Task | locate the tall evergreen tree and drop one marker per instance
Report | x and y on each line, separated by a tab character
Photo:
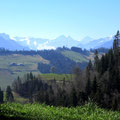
9	95
1	96
88	87
74	98
96	61
94	85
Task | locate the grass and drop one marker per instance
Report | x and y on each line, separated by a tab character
27	60
77	57
5	78
19	99
51	76
36	111
8	73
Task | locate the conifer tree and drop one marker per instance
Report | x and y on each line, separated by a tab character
1	96
96	61
74	98
94	85
9	95
88	87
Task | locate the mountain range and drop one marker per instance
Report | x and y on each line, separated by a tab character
27	43
7	43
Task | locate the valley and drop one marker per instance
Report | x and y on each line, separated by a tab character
17	64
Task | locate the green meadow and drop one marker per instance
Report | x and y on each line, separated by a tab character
13	111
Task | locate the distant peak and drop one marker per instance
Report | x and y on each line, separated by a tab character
69	37
5	36
61	37
87	37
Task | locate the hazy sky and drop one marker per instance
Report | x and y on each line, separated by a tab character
52	18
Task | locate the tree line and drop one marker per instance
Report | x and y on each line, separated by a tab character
6	96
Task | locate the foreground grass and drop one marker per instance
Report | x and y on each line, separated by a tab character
17	111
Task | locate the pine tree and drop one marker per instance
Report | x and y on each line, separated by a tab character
96	61
31	76
1	96
94	85
116	47
9	95
88	87
74	98
90	66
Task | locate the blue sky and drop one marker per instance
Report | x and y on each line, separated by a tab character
52	18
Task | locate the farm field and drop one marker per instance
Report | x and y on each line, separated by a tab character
36	111
13	65
51	76
77	57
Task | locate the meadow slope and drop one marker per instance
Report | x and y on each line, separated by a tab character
89	111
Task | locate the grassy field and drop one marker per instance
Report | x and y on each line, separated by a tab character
9	72
28	61
36	111
51	76
77	57
16	64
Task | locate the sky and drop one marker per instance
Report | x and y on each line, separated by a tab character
52	18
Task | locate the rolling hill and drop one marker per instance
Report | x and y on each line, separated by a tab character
16	63
75	56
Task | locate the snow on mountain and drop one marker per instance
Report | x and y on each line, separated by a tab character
86	40
32	43
98	43
40	43
7	43
63	41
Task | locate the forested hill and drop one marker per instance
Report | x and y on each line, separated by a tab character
61	60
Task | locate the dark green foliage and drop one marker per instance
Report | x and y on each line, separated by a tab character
94	85
1	96
79	50
74	99
9	95
88	87
61	63
96	61
108	71
100	50
103	82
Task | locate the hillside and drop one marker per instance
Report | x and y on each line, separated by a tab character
75	56
14	63
89	111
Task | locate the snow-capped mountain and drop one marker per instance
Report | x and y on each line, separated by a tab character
63	41
39	43
20	43
7	43
86	40
32	43
102	42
